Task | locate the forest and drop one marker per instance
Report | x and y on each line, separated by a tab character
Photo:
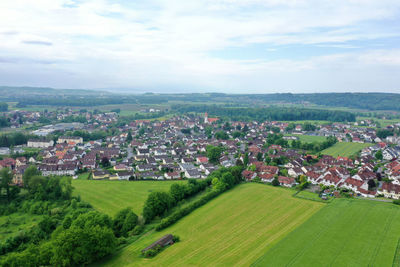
270	113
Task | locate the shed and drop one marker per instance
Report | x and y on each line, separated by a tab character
163	241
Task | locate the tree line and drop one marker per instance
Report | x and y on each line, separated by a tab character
269	113
221	180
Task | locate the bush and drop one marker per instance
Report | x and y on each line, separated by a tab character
137	230
396	201
124	221
152	252
176	239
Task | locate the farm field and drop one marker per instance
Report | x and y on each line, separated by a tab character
234	229
346	232
344	149
309	138
111	196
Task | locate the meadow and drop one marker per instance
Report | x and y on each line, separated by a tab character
111	196
345	149
344	233
234	229
309	138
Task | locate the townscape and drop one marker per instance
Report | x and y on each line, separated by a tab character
199	133
190	146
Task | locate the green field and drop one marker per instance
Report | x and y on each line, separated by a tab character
345	149
344	233
111	196
309	138
234	229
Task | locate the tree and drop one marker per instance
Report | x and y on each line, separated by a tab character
28	174
129	137
156	204
80	246
6	179
228	179
221	135
105	162
275	129
383	133
371	184
246	159
177	191
379	155
275	181
214	153
124	221
308	127
259	156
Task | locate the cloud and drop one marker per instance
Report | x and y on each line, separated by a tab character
32	42
163	44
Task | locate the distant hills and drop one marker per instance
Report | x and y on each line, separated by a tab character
80	97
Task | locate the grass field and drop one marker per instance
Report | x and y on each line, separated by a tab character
234	229
111	196
309	138
344	149
344	233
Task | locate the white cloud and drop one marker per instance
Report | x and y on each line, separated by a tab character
166	44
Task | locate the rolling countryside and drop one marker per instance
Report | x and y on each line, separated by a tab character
234	229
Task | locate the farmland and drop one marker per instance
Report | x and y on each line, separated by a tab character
258	217
344	149
309	138
111	196
345	232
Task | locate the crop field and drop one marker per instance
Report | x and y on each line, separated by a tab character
344	233
344	149
234	229
111	196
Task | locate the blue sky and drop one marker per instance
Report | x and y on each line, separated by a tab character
232	46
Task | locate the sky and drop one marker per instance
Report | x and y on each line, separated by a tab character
231	46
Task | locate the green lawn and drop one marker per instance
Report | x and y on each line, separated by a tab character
344	233
344	149
234	229
309	138
111	196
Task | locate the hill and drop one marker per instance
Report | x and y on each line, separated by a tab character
234	229
344	233
111	196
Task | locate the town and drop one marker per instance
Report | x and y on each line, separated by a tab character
96	145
